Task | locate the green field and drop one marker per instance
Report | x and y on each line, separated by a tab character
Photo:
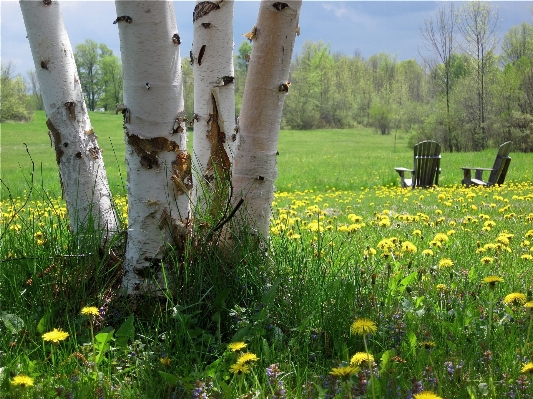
367	290
314	159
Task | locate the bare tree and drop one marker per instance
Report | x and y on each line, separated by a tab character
439	38
478	23
254	167
159	166
81	166
214	104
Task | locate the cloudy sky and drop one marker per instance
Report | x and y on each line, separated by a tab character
367	27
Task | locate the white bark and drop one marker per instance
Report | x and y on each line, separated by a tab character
214	97
81	167
254	168
159	172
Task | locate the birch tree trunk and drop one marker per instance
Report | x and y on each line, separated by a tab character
159	166
254	167
81	166
214	104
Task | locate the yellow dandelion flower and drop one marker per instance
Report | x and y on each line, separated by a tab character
529	305
426	395
239	368
247	357
515	298
526	257
427	344
236	346
343	372
90	311
492	280
361	357
363	326
487	260
165	361
427	252
446	262
527	369
441	237
22	381
417	233
441	287
55	336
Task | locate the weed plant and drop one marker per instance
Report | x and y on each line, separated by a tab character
373	293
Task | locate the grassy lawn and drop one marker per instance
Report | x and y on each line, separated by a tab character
318	159
367	290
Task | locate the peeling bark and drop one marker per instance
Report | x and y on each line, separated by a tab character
254	164
158	165
81	168
214	103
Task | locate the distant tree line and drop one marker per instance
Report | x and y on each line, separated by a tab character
463	94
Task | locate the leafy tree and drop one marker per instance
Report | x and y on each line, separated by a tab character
518	43
16	104
88	56
110	82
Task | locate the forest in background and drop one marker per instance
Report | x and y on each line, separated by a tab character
471	90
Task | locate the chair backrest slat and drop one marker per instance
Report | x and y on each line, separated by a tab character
501	165
426	164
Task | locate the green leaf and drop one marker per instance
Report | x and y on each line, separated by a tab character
412	341
125	333
169	378
373	385
407	280
385	360
102	343
12	322
44	324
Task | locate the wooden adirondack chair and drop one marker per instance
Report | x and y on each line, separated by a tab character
426	169
497	172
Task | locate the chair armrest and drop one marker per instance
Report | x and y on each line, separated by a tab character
465	168
401	171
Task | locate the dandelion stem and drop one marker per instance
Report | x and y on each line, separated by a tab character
528	332
371	367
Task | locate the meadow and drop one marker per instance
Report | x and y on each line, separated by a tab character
367	290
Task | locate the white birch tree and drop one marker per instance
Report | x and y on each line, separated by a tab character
214	103
81	167
254	167
159	166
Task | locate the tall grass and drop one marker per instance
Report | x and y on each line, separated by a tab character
416	263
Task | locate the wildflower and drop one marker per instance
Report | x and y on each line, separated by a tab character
427	252
363	326
492	280
441	237
426	395
361	357
247	357
165	361
239	368
487	260
409	247
446	262
236	346
527	257
515	298
529	305
527	369
90	311
427	344
442	287
343	372
22	380
417	233
55	335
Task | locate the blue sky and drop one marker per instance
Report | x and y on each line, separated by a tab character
347	26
